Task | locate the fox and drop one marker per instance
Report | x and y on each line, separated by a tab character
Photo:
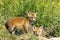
20	22
37	30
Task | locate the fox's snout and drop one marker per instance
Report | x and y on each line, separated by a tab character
34	19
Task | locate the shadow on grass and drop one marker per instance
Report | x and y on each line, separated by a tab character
19	32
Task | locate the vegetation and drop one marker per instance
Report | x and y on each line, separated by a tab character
47	14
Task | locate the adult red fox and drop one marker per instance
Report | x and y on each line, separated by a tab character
37	30
20	22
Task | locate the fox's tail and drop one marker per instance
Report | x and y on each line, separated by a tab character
6	25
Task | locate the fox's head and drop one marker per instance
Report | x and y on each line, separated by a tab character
37	30
32	16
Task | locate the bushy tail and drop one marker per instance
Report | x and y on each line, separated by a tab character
6	25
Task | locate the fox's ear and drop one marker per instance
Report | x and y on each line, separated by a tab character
34	11
34	27
35	14
28	12
41	27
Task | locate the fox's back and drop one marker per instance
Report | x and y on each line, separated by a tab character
17	21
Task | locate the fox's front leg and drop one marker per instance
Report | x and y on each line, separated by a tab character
25	28
12	30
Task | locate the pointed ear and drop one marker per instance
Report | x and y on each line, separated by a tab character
41	27
34	27
28	12
35	11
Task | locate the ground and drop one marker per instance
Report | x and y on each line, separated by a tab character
5	35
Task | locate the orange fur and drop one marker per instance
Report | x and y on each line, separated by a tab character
37	30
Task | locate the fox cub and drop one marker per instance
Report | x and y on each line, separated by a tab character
20	22
37	30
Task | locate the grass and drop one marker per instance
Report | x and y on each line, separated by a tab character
5	35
